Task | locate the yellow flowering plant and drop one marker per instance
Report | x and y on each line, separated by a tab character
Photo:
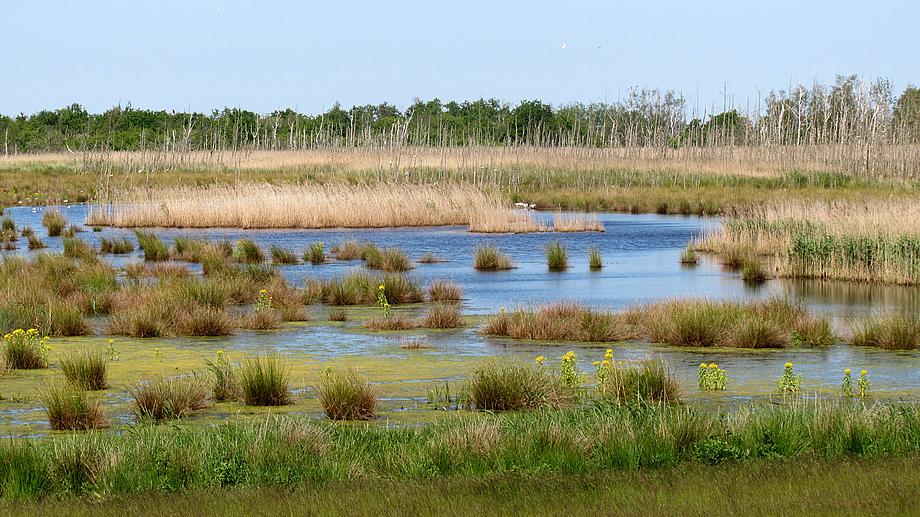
26	350
112	352
862	384
789	381
711	377
847	388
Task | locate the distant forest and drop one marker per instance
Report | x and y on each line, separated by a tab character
852	111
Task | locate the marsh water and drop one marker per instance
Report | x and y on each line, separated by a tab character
641	263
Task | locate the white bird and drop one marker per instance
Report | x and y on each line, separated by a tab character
69	149
565	46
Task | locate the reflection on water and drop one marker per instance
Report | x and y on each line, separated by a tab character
641	263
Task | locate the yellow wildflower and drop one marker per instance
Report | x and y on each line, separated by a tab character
380	286
788	365
863	372
847	371
595	363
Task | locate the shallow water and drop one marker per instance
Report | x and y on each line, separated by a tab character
641	263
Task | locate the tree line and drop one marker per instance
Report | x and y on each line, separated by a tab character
851	111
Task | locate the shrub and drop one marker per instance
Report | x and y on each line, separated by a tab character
444	291
154	248
85	370
498	386
281	255
70	409
487	256
248	252
226	384
443	316
346	395
647	380
315	254
595	259
54	221
170	398
557	256
25	350
264	381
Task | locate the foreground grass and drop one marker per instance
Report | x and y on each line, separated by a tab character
849	487
293	453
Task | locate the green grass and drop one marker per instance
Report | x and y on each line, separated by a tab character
595	258
489	257
891	332
753	271
316	254
69	408
747	489
282	255
226	385
264	381
248	252
86	370
349	249
153	247
391	260
440	290
75	247
557	256
644	381
688	255
115	245
443	316
35	242
346	395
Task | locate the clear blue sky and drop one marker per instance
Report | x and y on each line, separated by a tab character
271	54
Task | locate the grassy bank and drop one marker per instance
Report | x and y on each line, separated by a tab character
290	453
754	488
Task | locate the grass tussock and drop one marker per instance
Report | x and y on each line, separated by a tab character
688	255
264	381
316	253
35	242
349	249
75	247
440	290
248	252
443	316
205	321
86	370
393	322
54	221
560	321
71	409
557	256
361	288
268	319
577	223
891	332
489	257
346	395
391	260
645	381
498	386
115	246
226	385
169	398
595	258
153	247
337	314
430	257
282	255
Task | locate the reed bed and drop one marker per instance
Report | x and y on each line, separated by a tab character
874	240
577	223
300	206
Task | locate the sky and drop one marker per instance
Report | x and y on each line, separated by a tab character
193	55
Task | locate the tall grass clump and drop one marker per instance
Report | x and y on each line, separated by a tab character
282	255
559	321
753	271
346	395
557	256
643	381
168	398
891	332
205	321
35	242
75	247
71	409
501	386
264	381
391	260
595	258
153	247
115	245
349	249
316	253
391	322
25	350
488	256
226	384
248	252
54	221
688	255
444	291
86	370
443	316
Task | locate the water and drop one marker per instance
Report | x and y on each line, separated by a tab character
641	263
